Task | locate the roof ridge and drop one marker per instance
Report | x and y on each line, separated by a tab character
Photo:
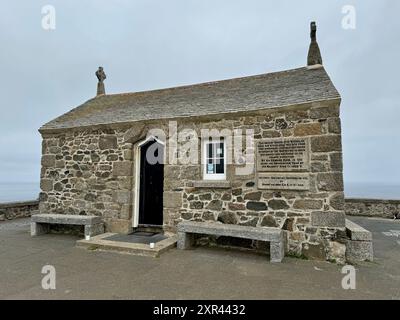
199	84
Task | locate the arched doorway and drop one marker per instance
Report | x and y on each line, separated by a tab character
150	183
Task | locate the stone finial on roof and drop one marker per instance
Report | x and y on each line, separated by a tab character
101	76
314	54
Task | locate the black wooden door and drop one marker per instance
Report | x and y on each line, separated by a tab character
151	186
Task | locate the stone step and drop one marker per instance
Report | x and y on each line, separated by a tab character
151	229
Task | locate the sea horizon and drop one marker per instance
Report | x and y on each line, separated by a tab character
23	191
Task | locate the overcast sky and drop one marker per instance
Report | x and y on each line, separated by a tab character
154	44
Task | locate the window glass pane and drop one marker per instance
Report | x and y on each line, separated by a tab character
210	151
220	167
214	150
220	150
210	168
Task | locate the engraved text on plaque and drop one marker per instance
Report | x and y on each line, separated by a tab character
289	154
284	181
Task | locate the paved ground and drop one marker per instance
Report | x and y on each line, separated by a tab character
195	274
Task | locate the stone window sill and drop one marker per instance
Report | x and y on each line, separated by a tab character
212	184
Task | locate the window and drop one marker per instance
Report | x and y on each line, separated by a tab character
214	159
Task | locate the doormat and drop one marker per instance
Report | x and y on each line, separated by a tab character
137	237
144	233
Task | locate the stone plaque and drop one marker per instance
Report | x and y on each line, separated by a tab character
284	181
289	154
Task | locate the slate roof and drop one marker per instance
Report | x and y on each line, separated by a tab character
251	93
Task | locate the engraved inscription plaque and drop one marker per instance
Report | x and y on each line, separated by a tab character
289	154
284	181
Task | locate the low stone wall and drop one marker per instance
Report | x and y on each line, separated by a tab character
14	210
372	207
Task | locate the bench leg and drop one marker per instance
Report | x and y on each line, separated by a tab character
185	240
277	251
39	228
94	229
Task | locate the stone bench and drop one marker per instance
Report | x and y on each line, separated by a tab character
359	246
40	223
187	229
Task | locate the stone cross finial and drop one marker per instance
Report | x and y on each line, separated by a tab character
313	33
101	76
314	54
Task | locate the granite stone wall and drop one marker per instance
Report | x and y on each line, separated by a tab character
19	209
314	220
88	173
91	171
372	208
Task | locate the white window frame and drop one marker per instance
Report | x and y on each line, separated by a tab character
213	176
